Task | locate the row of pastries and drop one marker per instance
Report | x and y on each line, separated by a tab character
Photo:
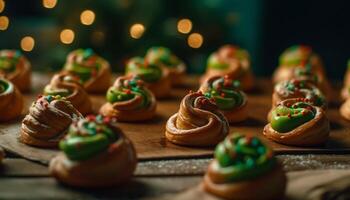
56	119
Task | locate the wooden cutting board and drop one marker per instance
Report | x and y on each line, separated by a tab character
148	137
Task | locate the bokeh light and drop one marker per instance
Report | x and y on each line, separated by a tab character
27	43
87	17
4	22
67	36
195	40
137	30
184	26
49	3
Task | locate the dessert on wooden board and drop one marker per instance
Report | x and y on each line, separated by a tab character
95	153
15	67
129	100
11	101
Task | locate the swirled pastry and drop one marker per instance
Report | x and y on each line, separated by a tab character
11	101
231	61
297	122
197	123
16	68
68	86
163	56
93	70
157	80
229	99
345	92
345	109
129	100
244	168
47	121
96	153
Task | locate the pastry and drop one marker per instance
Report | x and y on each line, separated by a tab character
16	68
345	92
68	86
232	61
197	123
297	122
47	121
229	99
96	153
11	101
157	80
345	109
2	155
93	70
164	57
129	100
244	168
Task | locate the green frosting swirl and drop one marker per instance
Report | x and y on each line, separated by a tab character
243	158
85	63
225	93
149	73
286	118
295	55
215	63
87	138
128	90
3	86
9	59
163	55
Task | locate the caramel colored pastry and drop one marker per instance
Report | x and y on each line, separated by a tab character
244	168
198	122
229	99
345	109
69	86
16	68
231	61
129	100
157	80
345	92
96	153
163	57
297	122
93	71
48	121
11	101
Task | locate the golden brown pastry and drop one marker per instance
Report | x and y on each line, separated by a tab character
345	92
198	122
93	70
157	80
231	61
129	100
230	100
345	109
16	68
68	86
11	101
163	57
47	121
297	122
96	153
245	168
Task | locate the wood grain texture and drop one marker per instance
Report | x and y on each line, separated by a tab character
148	137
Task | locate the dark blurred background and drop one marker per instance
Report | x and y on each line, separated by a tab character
120	29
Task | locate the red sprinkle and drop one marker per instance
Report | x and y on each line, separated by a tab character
106	120
91	117
222	94
127	91
39	96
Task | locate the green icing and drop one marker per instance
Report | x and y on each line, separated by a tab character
243	158
129	89
214	63
285	119
295	55
9	59
225	93
149	73
3	86
156	55
87	138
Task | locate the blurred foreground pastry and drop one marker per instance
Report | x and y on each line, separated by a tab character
244	168
11	101
96	153
345	92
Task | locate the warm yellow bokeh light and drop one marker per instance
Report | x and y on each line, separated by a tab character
2	5
67	36
49	3
184	26
195	40
4	23
137	30
27	43
87	17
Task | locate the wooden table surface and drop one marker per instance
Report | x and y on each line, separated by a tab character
23	179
